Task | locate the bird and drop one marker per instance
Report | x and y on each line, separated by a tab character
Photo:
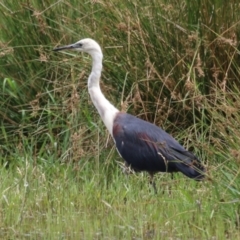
143	145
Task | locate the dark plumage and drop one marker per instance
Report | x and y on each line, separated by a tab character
146	147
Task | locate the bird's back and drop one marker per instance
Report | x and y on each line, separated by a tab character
146	147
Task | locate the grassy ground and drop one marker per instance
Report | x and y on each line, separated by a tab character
174	63
57	202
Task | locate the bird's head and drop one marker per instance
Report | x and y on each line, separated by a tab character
87	45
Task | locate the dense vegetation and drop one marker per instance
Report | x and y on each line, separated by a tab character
174	63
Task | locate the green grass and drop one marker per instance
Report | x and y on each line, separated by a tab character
55	201
174	63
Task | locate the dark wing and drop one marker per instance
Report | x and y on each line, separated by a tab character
146	147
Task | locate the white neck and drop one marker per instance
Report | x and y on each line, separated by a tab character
106	110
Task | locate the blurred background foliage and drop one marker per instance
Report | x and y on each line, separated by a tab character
174	63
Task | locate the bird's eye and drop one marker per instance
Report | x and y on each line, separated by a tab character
79	44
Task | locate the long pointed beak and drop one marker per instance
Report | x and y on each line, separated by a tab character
71	46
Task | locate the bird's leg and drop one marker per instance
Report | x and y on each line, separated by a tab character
170	188
127	169
152	182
